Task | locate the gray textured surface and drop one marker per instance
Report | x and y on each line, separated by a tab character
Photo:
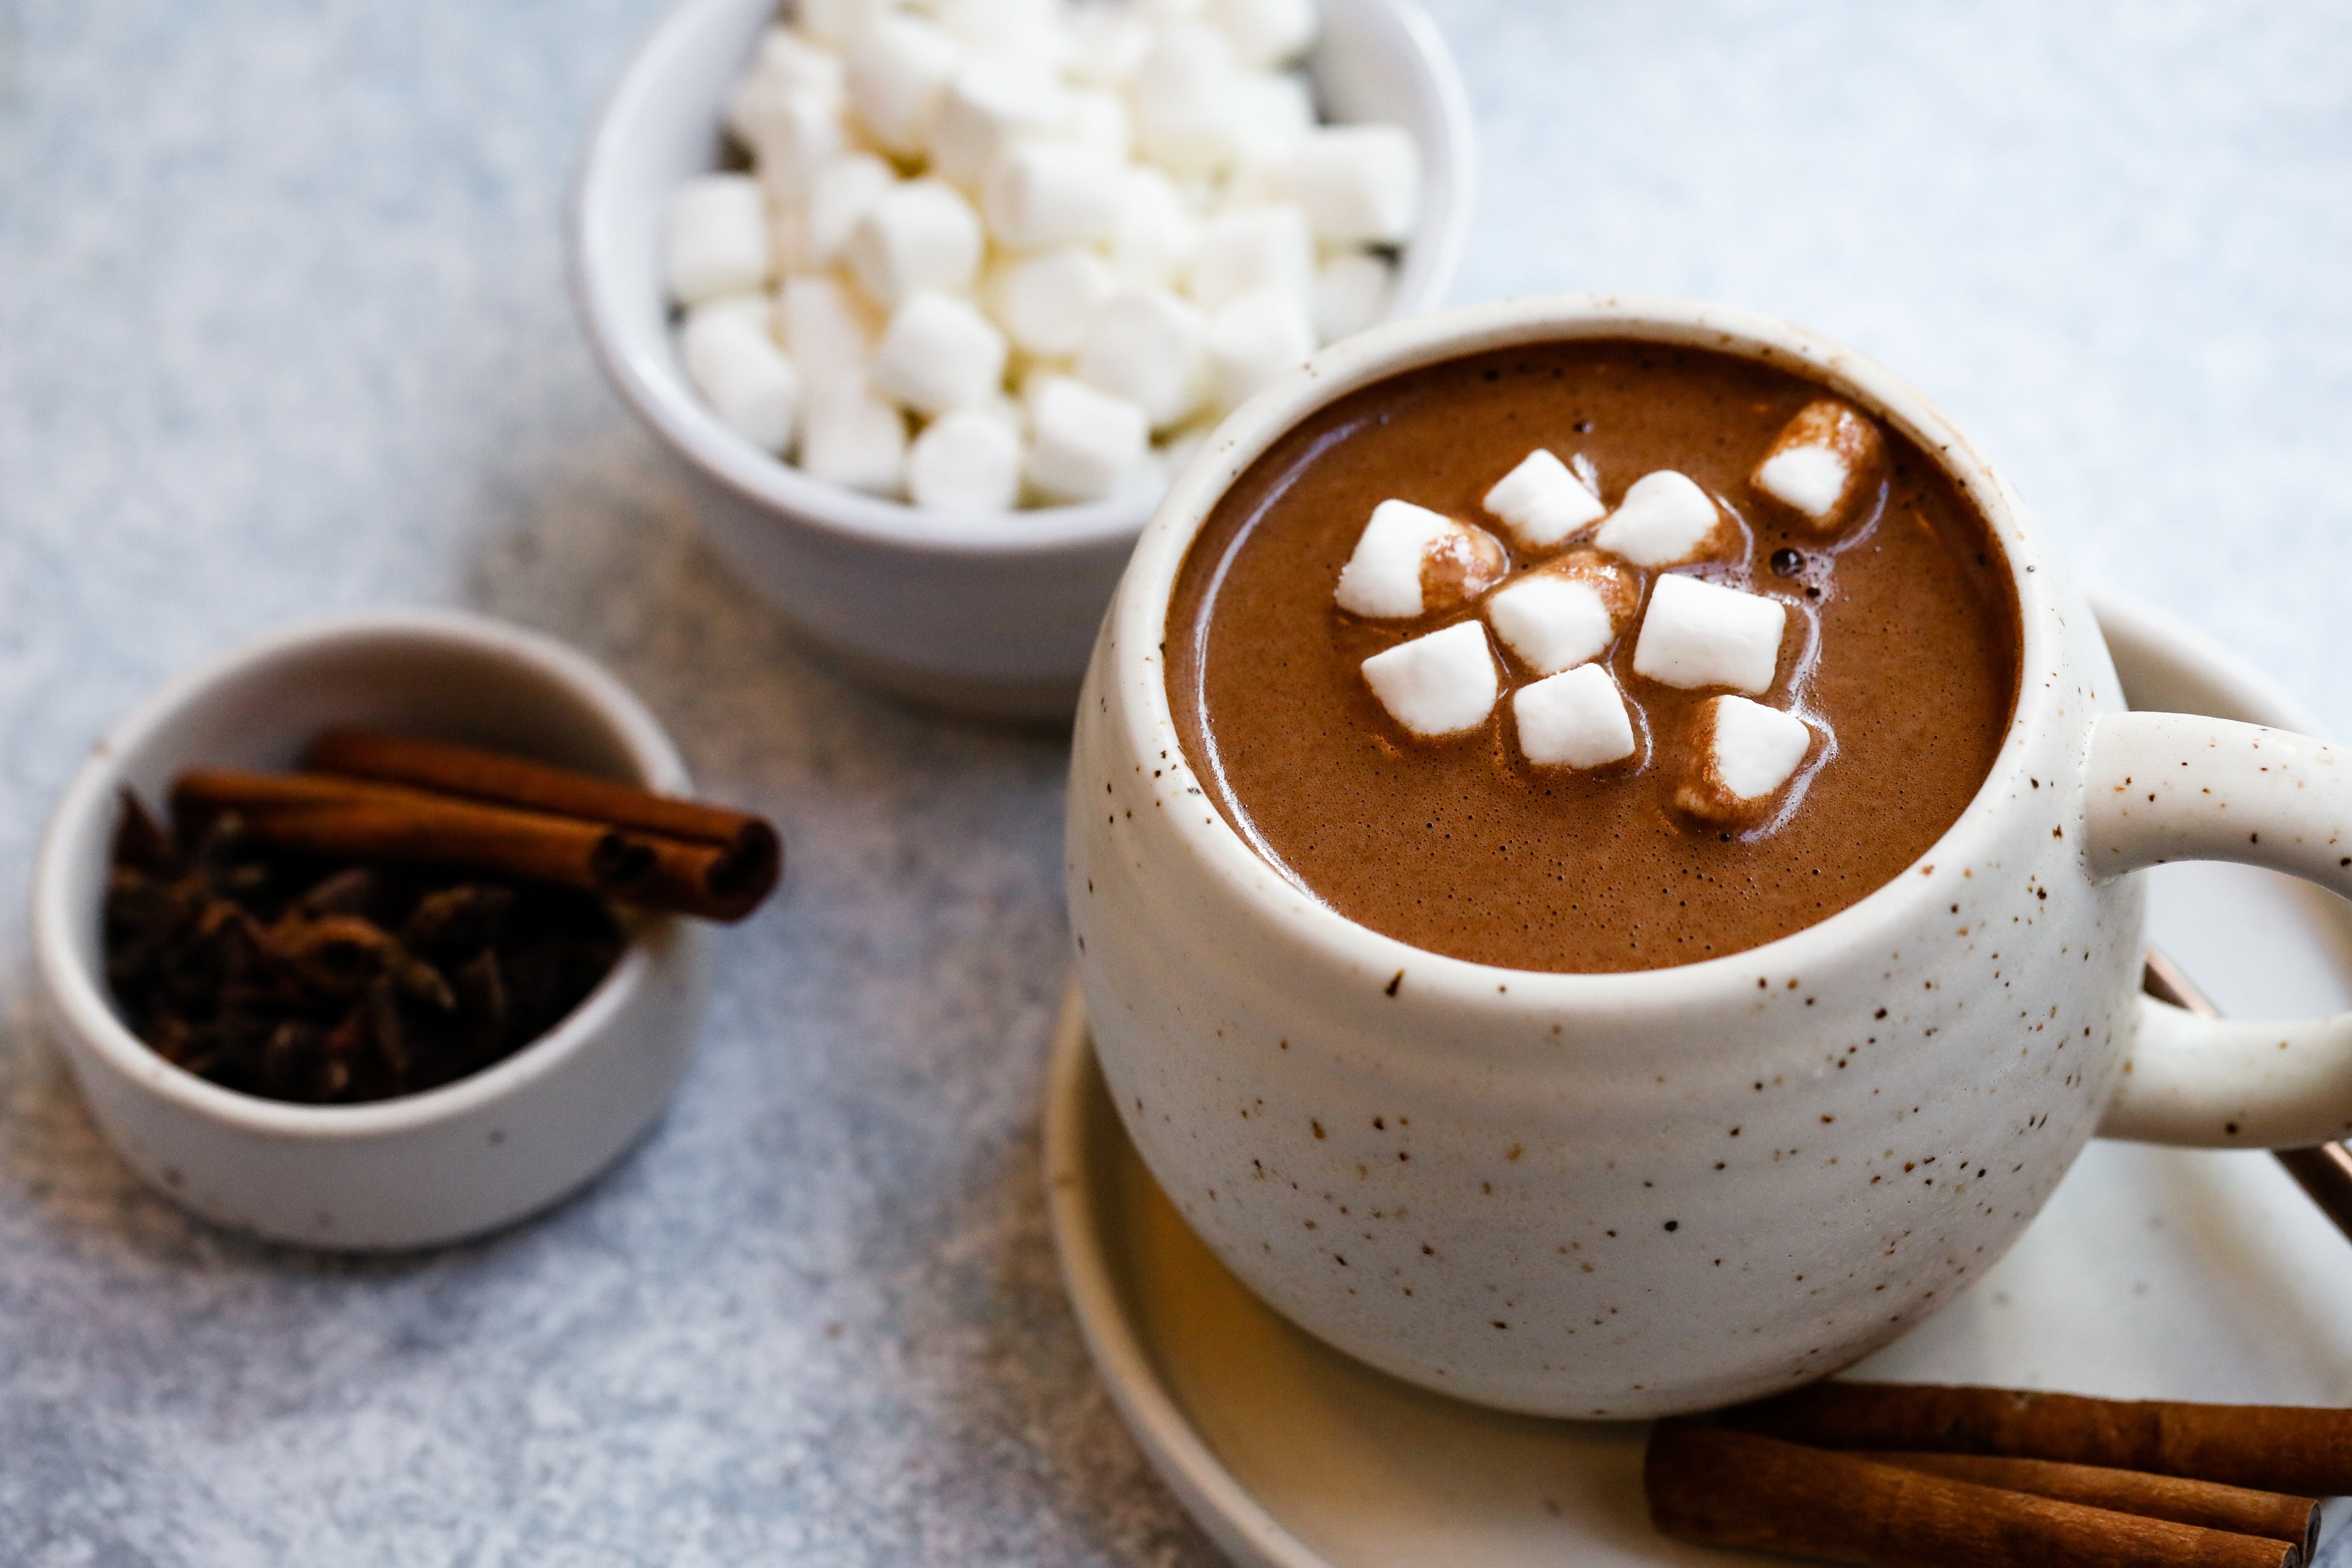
282	330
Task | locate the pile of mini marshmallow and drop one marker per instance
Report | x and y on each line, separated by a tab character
1559	619
1058	237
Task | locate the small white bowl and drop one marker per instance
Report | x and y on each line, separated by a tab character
990	615
425	1168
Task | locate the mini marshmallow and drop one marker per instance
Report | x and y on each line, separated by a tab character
837	21
1156	235
1575	719
1042	194
852	439
1254	248
718	239
1542	502
1044	302
1564	613
740	371
1086	444
1252	339
897	72
838	194
1822	463
1746	753
939	353
827	329
1441	684
1271	118
1664	520
917	235
789	78
1107	45
1183	95
1360	184
1756	748
1351	292
1700	634
1410	561
993	101
1030	29
1096	119
1149	346
969	460
791	136
1264	32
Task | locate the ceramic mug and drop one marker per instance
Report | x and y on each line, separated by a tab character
1623	1196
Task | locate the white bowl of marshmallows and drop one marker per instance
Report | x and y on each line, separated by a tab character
934	296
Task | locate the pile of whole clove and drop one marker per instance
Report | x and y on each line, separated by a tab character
301	977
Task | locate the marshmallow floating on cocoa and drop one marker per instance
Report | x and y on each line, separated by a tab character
1565	612
1542	501
1664	520
1575	719
1824	464
1412	561
1698	633
1744	753
1437	685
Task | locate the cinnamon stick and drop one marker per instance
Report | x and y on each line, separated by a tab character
750	867
1717	1486
2239	1510
320	814
2295	1450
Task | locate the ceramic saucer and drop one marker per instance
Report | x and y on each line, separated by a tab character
2152	1273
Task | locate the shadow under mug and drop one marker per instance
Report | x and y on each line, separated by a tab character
1621	1195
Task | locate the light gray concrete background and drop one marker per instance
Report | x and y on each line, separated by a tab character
282	330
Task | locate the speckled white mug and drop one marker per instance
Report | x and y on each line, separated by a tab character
1630	1195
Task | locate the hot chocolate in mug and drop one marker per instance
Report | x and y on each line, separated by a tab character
1630	1195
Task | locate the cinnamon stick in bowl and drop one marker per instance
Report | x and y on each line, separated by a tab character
748	867
2292	1449
322	814
1719	1487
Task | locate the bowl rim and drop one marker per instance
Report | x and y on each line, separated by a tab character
79	1000
780	489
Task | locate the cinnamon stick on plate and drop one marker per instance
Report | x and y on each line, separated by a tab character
2300	1452
752	857
1724	1488
2216	1507
321	815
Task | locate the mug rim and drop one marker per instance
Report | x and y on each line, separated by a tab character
1136	628
78	996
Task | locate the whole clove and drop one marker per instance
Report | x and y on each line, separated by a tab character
304	977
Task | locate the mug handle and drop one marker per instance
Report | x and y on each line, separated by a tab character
2159	787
